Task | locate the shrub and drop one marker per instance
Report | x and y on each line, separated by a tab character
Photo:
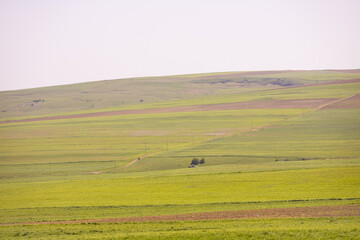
195	161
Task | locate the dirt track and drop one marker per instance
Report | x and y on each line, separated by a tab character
299	212
351	102
292	103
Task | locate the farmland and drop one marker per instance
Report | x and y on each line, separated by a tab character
310	228
275	141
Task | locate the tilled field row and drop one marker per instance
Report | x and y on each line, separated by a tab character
298	212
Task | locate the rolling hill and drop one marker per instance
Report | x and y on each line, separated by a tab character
110	159
142	92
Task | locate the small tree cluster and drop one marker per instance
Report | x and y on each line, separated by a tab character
196	161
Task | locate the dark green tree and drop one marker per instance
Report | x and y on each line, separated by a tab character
195	161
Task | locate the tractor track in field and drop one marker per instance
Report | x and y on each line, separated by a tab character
297	212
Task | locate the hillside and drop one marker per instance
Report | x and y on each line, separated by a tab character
126	93
281	157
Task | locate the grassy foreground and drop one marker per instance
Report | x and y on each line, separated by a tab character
44	214
298	228
197	189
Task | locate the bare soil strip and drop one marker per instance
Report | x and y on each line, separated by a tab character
292	103
298	212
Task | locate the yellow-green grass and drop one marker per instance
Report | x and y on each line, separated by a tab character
303	184
42	214
251	166
122	138
84	145
295	228
320	135
70	169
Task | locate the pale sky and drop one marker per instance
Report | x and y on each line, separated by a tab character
53	42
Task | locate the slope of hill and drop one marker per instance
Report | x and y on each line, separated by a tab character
281	153
139	91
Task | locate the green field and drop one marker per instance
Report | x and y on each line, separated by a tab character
74	169
313	228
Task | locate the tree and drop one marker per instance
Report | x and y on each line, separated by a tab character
195	161
202	161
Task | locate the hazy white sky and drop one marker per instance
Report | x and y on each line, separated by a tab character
52	42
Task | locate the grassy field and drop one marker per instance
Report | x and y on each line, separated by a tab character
323	183
303	138
121	138
313	228
73	169
42	214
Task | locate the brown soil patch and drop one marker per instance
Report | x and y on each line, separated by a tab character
298	212
352	102
292	103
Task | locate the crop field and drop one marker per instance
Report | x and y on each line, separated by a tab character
306	228
281	152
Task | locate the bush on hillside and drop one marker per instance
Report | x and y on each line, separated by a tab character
195	161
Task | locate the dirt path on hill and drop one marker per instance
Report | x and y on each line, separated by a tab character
298	212
345	103
127	165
